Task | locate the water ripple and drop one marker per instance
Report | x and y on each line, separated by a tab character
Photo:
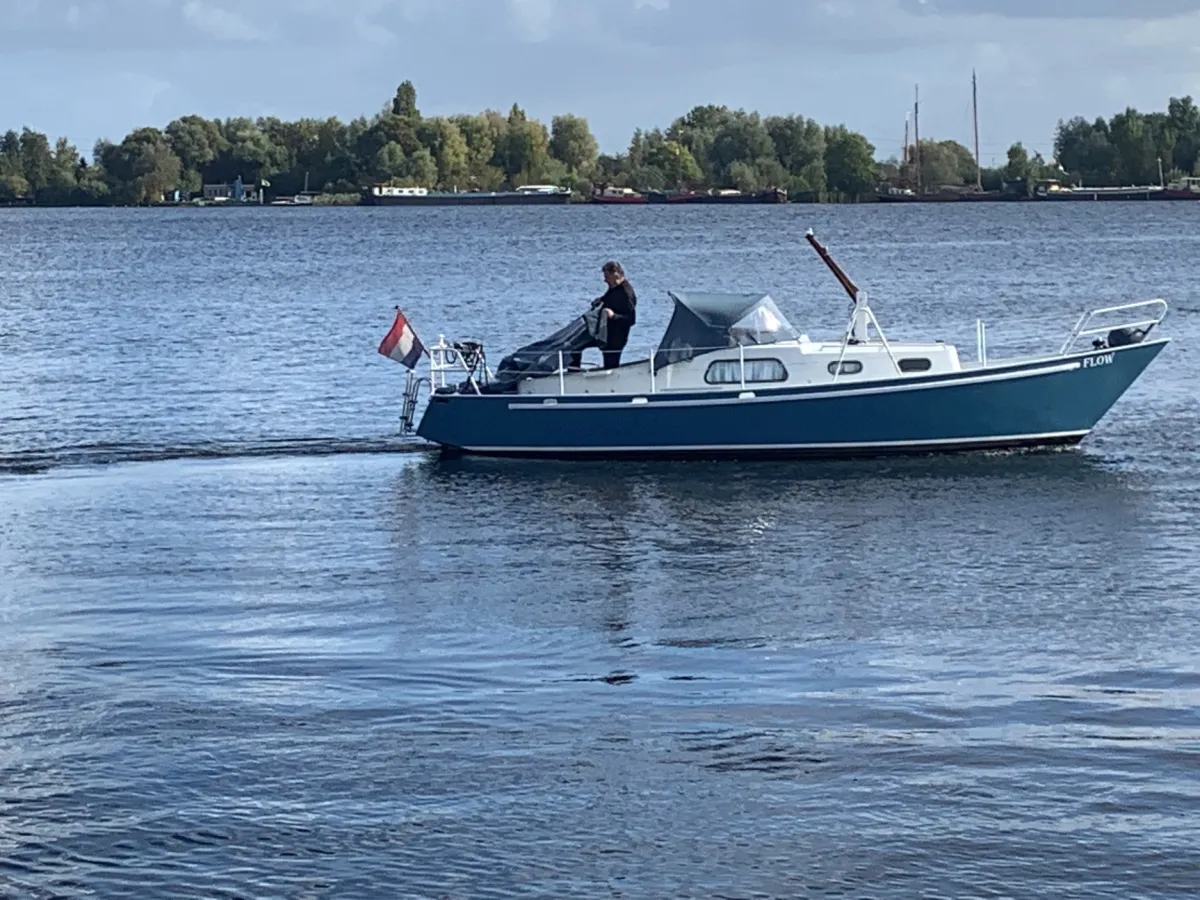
285	656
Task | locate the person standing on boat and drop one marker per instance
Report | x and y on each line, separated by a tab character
620	305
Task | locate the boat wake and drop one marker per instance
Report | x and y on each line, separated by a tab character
33	462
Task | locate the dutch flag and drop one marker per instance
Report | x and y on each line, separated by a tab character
401	343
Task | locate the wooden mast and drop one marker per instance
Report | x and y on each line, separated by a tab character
975	117
848	285
917	133
904	154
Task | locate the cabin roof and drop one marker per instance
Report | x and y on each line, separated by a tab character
704	321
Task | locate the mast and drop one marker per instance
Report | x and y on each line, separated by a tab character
917	134
862	315
850	287
975	117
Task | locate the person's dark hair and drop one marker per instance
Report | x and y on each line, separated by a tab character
613	268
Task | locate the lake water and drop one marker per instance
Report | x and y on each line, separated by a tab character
250	647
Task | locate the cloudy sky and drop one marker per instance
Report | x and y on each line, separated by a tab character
98	68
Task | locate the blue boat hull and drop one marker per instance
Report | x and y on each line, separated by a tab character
1053	401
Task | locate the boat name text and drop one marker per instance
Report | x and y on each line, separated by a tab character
1102	360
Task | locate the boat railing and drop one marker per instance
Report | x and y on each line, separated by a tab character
1125	318
564	370
861	318
462	359
412	394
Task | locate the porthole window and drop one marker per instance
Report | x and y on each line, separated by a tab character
915	365
849	367
729	371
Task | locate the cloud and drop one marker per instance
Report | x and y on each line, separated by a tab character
534	19
373	33
1138	10
620	63
218	23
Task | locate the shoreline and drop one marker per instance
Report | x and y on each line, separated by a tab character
1034	201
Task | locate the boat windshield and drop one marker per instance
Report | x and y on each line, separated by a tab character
764	324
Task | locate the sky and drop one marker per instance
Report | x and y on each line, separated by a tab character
88	69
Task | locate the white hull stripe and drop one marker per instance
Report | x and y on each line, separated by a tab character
853	445
563	401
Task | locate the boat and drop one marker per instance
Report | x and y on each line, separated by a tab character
732	378
525	195
1054	190
617	195
728	195
1187	188
724	195
294	200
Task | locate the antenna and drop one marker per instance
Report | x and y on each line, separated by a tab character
975	116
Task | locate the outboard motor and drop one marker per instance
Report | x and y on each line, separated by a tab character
471	353
1123	337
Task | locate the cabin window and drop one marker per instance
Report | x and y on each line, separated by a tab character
849	367
729	371
915	365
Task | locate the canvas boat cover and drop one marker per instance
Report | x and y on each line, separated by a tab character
702	322
542	357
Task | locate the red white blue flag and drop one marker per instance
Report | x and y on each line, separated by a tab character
401	343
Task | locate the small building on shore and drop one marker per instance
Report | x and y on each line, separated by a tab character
237	192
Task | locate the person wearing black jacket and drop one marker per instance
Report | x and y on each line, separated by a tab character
620	302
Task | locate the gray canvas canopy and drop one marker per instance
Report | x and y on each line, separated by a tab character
704	321
543	357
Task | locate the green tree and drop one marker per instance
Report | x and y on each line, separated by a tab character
946	163
800	147
448	147
142	167
391	163
676	163
37	160
742	138
696	130
1019	167
1083	149
196	141
572	142
481	136
422	169
404	104
526	148
1185	122
849	162
13	186
1137	157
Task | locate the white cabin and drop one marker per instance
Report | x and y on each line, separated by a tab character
722	342
389	190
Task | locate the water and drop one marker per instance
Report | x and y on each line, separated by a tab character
250	647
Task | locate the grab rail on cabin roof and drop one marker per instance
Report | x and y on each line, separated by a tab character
1084	327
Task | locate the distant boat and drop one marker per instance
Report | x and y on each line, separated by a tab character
724	195
1185	189
295	200
1052	189
525	195
617	195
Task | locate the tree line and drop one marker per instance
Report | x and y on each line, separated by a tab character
1130	148
709	147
